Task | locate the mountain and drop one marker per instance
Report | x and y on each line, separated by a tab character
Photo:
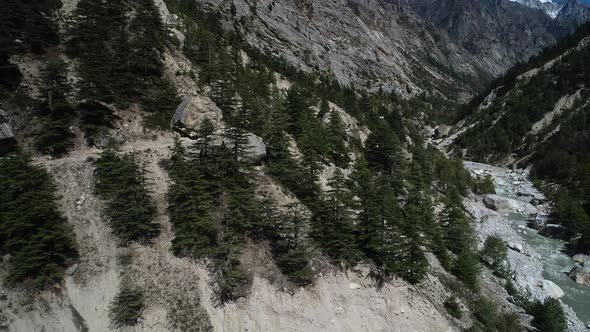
563	10
551	8
221	165
450	46
572	14
538	115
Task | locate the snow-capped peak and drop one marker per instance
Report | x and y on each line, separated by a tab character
548	6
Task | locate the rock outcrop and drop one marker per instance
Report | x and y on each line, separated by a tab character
549	288
403	46
7	138
192	111
580	273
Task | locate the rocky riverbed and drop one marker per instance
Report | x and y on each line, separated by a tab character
538	262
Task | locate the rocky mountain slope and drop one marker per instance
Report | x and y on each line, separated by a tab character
407	46
538	116
163	170
551	8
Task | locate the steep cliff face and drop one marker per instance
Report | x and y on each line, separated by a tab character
572	14
403	46
493	34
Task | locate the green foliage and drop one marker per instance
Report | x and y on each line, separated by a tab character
333	226
32	230
467	269
487	318
494	252
35	33
484	186
213	210
120	181
336	136
127	306
382	149
453	307
548	316
52	131
121	56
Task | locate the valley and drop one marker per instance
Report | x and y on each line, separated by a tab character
294	165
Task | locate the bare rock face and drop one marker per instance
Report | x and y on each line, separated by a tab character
7	138
407	46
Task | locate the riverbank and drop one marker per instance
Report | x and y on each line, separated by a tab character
505	214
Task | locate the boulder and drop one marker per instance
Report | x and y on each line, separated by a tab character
7	138
490	203
428	131
580	273
515	246
442	131
255	150
354	285
549	288
553	230
72	269
192	111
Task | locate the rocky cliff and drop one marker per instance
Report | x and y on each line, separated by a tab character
406	46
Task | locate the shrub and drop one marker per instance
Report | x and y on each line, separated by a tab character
494	251
453	307
127	306
549	316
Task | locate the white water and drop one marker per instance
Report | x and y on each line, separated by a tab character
555	266
540	253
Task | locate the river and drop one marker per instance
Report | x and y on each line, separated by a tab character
541	257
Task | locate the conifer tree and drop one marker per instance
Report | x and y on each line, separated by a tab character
334	226
382	149
289	246
120	181
336	136
32	231
52	133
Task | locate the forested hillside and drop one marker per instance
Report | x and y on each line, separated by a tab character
169	175
538	115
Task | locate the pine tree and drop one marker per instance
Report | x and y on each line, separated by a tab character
191	197
32	231
336	136
52	131
414	260
120	181
334	227
382	149
289	246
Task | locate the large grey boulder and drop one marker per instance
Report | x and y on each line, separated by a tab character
7	138
192	111
515	246
255	149
580	273
442	131
490	203
549	289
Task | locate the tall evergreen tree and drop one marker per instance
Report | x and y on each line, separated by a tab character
334	226
32	231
